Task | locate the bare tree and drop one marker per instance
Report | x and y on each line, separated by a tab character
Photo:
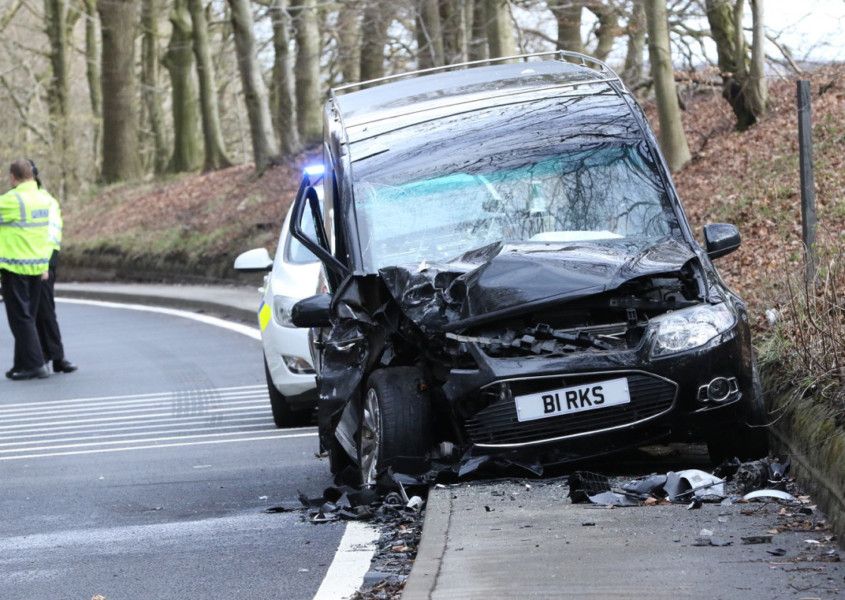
150	82
264	146
179	61
500	36
349	42
477	47
212	133
429	33
758	92
119	21
284	103
745	93
453	19
673	142
59	20
309	114
378	14
92	71
608	27
632	72
568	16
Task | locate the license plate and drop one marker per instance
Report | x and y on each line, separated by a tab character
573	399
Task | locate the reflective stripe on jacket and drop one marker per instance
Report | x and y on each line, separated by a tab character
25	246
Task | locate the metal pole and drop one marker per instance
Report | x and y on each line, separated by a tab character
808	193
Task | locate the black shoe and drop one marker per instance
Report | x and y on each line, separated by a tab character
63	366
9	373
39	373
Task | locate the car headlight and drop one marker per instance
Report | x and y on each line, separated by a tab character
282	306
689	328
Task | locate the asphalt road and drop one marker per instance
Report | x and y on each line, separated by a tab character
145	474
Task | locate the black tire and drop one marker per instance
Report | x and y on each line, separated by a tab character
748	437
405	423
283	415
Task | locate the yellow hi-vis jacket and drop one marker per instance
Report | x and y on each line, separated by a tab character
25	246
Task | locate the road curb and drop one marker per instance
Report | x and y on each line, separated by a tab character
435	534
216	308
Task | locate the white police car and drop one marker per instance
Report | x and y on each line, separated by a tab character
294	274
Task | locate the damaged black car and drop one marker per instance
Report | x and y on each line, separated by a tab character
510	273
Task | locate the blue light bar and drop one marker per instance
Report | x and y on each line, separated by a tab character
314	170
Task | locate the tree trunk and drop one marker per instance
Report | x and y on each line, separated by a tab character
92	71
429	34
179	61
453	19
150	81
378	14
607	30
264	146
212	133
284	103
55	12
568	16
721	15
119	22
309	114
632	72
758	93
477	47
349	26
673	142
500	29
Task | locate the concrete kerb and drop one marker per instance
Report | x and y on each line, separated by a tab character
235	308
435	534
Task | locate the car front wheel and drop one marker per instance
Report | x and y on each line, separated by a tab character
396	420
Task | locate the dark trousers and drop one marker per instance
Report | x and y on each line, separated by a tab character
21	295
45	321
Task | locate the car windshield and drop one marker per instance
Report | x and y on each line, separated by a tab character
519	191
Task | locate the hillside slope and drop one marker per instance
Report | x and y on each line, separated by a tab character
187	227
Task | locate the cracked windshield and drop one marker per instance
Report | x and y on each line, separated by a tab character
603	192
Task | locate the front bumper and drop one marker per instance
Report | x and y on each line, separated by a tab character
286	341
664	396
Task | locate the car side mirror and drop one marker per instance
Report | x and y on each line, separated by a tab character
256	260
721	239
313	311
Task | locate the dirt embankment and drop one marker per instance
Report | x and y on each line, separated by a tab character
183	228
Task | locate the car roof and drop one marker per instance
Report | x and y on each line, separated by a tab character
455	88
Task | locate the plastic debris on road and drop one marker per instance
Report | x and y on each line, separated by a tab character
690	487
769	495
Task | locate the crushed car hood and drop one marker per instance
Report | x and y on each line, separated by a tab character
500	281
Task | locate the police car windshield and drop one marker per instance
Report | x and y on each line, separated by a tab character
509	175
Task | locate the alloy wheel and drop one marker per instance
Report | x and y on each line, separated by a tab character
370	439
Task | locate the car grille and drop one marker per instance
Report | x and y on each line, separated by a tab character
498	424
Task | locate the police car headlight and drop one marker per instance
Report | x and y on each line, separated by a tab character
282	306
689	328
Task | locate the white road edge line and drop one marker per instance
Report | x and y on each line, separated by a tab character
54	431
246	330
156	446
351	562
357	546
149	440
224	391
19	440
